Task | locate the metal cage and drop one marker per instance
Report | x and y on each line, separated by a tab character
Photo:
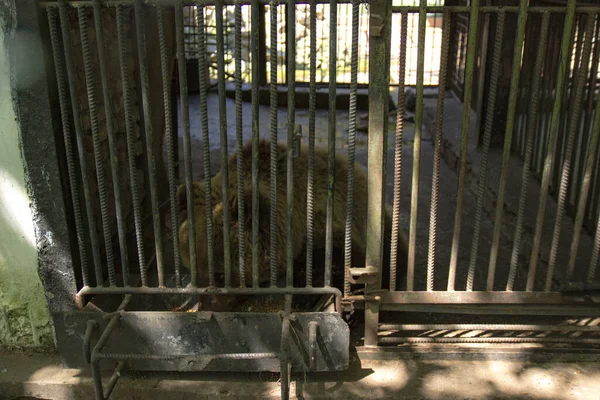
111	73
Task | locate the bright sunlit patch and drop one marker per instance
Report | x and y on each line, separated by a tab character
390	376
14	208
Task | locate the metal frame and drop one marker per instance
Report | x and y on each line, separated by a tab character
57	263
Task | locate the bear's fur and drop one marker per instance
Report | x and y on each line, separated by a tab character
299	240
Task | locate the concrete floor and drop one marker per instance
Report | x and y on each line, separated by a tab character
42	377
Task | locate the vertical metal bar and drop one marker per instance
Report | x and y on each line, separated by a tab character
142	56
431	58
481	74
274	147
66	127
583	197
240	143
591	275
414	198
98	389
91	326
508	134
530	134
223	130
203	89
489	120
313	327
311	142
331	141
93	113
226	39
262	43
175	124
248	27
580	82
283	15
167	95
322	40
185	126
524	95
471	59
593	210
591	94
346	13
285	365
435	181
540	139
64	24
115	170
563	66
256	79
291	122
398	150
306	49
131	144
351	148
575	43
379	78
371	322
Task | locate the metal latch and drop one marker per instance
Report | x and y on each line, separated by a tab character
363	275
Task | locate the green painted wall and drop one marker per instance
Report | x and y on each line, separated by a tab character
24	319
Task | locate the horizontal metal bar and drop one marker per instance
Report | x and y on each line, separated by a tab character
493	9
580	286
486	327
87	290
224	356
465	352
519	340
474	298
567	309
116	3
395	9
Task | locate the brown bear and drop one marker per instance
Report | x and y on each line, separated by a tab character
300	215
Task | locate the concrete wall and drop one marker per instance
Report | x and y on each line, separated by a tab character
24	319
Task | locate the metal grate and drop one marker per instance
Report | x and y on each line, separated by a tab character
542	120
303	37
